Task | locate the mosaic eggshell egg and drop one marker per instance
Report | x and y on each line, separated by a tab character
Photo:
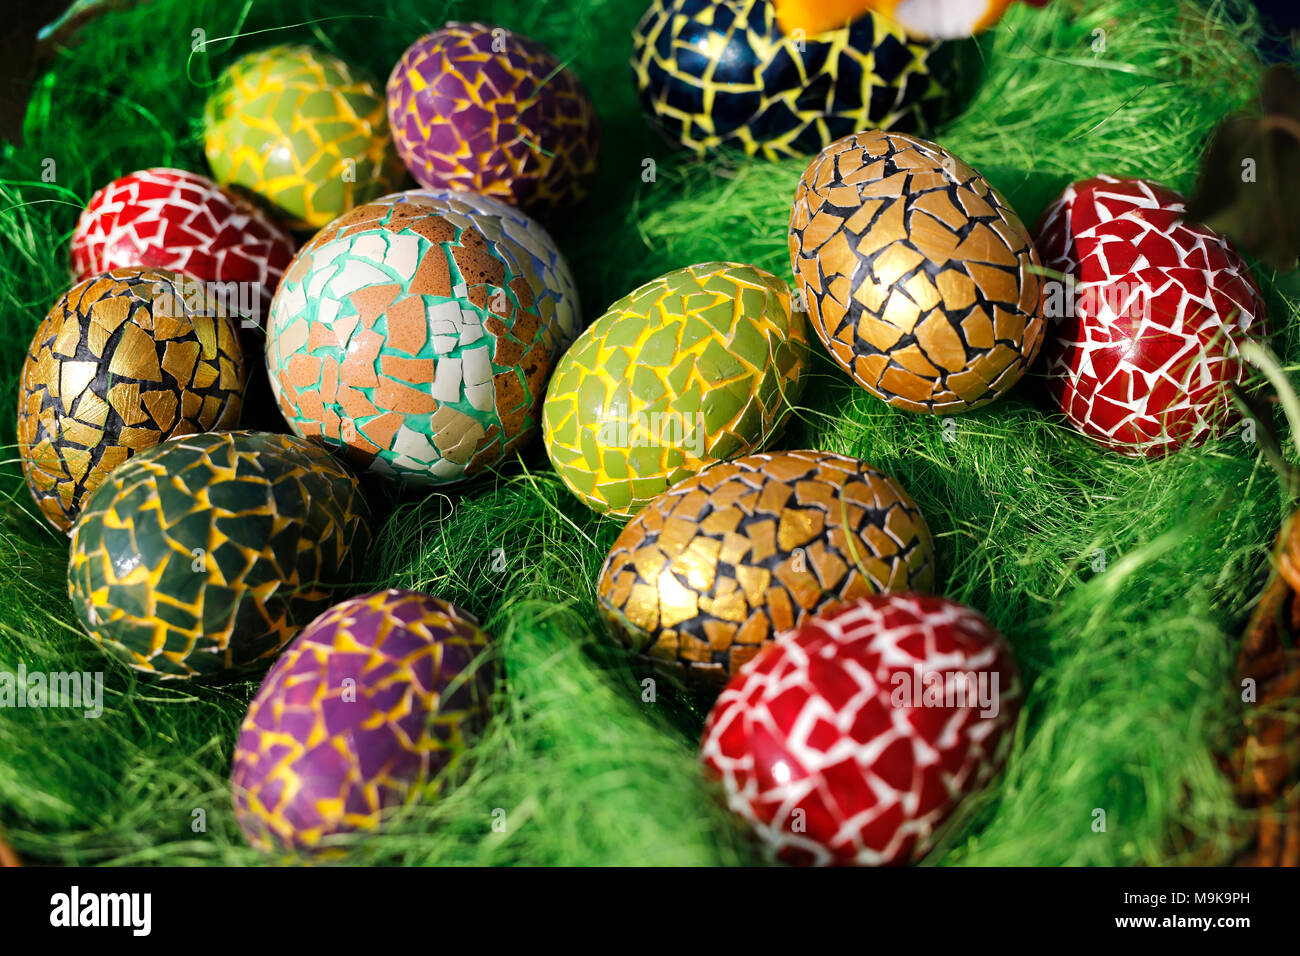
851	740
695	367
917	274
484	109
404	335
1143	339
712	74
555	293
172	219
318	756
203	556
123	361
720	564
303	130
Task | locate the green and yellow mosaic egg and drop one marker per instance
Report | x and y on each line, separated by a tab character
123	361
408	334
202	556
304	131
695	367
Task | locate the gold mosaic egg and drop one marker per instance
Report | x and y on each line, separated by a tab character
916	273
721	563
123	361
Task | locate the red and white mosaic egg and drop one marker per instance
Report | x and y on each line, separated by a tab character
172	219
853	738
1143	338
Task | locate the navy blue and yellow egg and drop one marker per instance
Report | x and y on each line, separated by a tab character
712	74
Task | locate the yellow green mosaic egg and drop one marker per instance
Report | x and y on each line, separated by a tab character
695	367
303	130
202	556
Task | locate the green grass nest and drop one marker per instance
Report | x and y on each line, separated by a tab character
1129	667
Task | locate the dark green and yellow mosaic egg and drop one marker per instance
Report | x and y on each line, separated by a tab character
695	367
303	130
721	564
714	73
363	713
408	334
123	361
203	556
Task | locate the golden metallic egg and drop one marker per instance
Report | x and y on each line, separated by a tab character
916	273
124	360
723	562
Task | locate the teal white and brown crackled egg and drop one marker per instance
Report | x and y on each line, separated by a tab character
406	334
204	555
512	232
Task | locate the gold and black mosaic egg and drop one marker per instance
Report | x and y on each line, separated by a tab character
123	361
917	274
721	563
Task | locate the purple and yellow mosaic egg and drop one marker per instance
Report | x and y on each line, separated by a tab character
361	714
406	335
481	108
554	290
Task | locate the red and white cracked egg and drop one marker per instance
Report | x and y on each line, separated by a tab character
1141	350
171	219
855	736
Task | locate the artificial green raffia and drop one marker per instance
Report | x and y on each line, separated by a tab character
1122	585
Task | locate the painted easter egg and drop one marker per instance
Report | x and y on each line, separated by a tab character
1143	339
720	564
404	335
852	739
172	219
481	108
713	74
123	361
918	276
204	555
303	130
555	293
368	705
695	367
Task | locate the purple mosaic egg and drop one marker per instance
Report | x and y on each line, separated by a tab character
358	717
480	108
